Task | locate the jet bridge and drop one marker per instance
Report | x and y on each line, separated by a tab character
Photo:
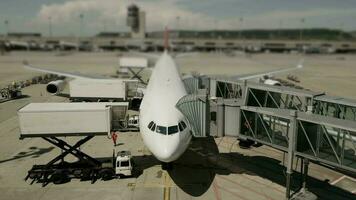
309	125
322	139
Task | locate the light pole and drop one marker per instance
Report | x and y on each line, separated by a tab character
241	25
216	34
301	29
178	27
6	22
81	16
341	31
280	28
301	34
50	26
104	24
241	35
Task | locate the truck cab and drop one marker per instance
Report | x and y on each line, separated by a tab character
123	164
133	121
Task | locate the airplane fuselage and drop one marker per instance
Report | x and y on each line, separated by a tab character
163	127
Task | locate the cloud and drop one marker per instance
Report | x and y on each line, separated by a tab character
62	13
298	14
160	13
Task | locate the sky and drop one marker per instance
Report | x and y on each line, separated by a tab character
110	15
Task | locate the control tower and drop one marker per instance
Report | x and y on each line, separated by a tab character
136	19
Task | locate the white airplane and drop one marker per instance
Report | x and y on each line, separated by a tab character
164	129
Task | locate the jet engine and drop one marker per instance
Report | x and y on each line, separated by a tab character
55	87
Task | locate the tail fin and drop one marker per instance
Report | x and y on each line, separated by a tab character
166	37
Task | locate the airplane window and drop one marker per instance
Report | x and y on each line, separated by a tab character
153	127
180	127
150	125
183	124
172	130
162	130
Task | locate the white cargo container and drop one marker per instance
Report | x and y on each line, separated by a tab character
133	62
64	119
98	88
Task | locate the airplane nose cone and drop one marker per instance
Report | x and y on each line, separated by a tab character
167	153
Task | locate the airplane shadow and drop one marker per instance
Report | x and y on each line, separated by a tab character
195	171
192	172
273	170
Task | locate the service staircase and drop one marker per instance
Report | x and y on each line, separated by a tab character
305	124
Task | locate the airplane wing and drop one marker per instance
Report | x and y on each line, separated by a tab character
268	73
60	73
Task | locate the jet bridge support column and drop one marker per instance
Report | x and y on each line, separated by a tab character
291	148
305	173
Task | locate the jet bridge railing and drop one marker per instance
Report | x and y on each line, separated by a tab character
322	139
337	107
328	140
228	90
264	126
269	96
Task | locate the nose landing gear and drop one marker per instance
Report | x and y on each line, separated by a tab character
167	166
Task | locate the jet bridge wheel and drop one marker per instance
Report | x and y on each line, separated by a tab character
246	144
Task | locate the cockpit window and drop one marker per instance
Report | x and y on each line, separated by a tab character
150	125
161	129
153	127
172	130
182	126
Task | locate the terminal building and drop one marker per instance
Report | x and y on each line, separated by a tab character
286	40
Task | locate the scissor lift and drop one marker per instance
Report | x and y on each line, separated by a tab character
53	121
58	170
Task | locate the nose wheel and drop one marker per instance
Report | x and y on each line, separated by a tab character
167	166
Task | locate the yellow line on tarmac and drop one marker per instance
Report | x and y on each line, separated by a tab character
167	188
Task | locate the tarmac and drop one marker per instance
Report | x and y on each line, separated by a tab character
212	168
